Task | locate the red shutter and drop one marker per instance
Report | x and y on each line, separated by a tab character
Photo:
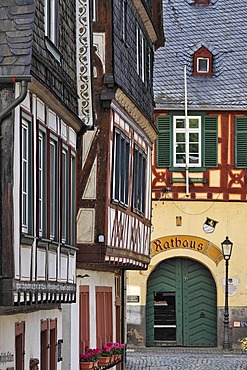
19	345
104	323
44	343
53	344
84	335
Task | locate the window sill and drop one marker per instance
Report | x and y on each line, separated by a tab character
191	169
192	180
42	242
138	212
120	204
27	239
53	50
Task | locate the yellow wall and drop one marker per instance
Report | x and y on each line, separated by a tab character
232	222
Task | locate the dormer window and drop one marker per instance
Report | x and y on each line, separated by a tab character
203	62
202	65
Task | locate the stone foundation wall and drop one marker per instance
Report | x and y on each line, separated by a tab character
136	325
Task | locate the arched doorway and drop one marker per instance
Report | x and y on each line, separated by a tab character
181	308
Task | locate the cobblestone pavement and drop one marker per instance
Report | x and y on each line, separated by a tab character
184	359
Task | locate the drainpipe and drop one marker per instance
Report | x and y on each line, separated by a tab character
123	314
13	79
23	93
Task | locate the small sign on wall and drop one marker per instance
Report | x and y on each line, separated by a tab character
133	298
232	286
236	324
240	324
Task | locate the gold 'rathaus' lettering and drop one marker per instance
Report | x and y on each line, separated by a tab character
176	243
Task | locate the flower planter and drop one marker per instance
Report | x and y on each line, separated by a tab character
104	361
119	357
86	365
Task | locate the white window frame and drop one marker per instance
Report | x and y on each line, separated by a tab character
187	130
65	194
73	182
53	190
25	170
139	180
121	169
51	17
42	181
94	11
198	64
140	53
124	20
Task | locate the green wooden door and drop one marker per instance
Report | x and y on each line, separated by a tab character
181	305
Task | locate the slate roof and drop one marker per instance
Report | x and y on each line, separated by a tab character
221	27
16	35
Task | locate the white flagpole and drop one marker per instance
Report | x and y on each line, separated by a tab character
186	132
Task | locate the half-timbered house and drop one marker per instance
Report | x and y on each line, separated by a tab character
114	188
198	180
40	118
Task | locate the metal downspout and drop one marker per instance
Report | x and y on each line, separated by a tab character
13	79
123	315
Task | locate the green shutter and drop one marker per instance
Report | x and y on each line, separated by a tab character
241	142
211	142
163	141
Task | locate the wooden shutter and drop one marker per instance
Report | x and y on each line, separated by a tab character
104	324
241	142
19	345
44	344
163	157
211	142
53	344
84	335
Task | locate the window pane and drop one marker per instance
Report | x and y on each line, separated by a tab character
202	64
127	173
41	183
194	137
193	123
180	158
51	12
53	187
120	183
180	137
73	198
180	123
180	148
24	210
26	171
65	191
139	180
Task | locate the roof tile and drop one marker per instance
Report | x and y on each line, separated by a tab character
222	29
16	36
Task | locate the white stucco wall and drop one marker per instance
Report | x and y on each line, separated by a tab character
96	278
32	334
